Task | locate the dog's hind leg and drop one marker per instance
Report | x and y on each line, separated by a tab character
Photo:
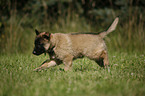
103	61
100	62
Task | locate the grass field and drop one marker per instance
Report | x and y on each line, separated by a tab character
127	77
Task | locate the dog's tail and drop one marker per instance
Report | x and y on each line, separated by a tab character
111	28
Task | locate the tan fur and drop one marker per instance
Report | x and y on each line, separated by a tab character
67	47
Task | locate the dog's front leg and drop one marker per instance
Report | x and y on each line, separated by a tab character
68	62
46	65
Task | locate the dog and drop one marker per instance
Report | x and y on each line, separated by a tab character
64	48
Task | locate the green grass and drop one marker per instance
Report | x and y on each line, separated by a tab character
127	77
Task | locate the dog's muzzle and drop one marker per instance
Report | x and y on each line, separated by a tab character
36	53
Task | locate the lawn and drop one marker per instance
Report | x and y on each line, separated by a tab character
127	77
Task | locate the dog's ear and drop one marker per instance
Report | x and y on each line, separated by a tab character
47	35
37	32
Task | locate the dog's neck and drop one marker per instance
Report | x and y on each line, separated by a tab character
53	43
53	40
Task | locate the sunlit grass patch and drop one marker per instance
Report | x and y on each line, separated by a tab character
86	78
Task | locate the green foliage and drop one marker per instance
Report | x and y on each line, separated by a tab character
20	17
86	78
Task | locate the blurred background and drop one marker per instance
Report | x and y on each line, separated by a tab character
19	18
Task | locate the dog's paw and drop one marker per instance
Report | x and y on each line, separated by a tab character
37	69
108	69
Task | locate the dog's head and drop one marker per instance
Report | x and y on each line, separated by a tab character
42	43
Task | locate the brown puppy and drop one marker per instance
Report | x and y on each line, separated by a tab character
64	48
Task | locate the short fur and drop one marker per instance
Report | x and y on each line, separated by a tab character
64	48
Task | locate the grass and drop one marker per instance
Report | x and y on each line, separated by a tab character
127	77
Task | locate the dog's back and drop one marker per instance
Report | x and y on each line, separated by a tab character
78	45
86	44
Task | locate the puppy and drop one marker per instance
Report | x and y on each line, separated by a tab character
64	48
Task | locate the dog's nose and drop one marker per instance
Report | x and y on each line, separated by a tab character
34	52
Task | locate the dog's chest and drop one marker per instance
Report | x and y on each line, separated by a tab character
59	53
